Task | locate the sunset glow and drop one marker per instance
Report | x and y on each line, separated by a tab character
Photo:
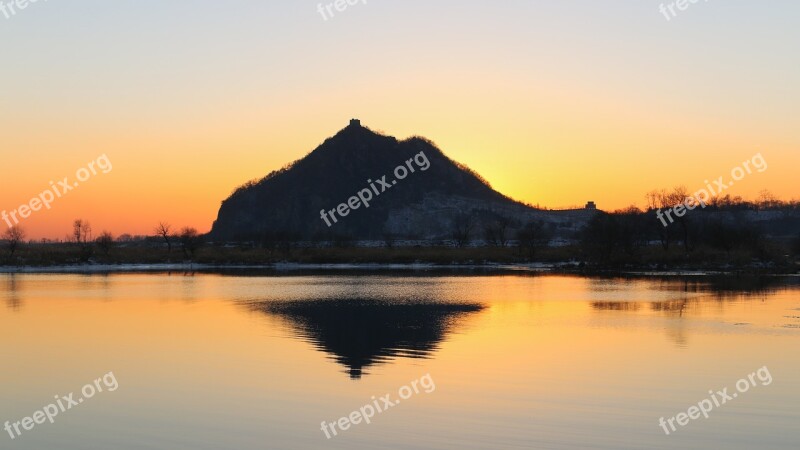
190	106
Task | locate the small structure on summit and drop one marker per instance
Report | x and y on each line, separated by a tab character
355	123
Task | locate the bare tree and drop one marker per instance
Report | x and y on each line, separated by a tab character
496	232
163	230
667	200
13	238
533	236
680	196
462	229
105	241
190	241
503	224
767	200
81	231
77	230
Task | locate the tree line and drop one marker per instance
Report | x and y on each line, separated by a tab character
187	239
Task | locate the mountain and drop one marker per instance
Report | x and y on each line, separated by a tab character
371	186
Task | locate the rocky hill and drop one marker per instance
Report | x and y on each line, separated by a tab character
366	186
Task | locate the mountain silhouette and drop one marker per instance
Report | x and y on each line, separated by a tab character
428	203
360	333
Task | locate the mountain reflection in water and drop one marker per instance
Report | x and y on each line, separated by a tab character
360	333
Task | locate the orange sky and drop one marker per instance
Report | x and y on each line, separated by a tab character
553	105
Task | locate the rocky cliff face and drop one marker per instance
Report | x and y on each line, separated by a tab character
352	176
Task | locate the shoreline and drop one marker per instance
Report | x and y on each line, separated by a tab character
486	267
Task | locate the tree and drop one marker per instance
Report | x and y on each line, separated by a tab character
13	237
663	199
657	200
163	230
767	200
621	230
600	236
533	236
730	235
462	229
635	227
105	241
496	232
81	231
190	241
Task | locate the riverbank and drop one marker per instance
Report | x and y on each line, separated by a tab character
61	258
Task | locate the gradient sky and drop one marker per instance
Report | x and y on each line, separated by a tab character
554	102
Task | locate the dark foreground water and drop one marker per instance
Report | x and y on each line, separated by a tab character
209	361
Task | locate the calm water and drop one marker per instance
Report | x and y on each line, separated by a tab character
210	361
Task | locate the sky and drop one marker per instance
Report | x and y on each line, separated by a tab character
555	103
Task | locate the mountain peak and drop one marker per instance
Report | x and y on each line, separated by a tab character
357	137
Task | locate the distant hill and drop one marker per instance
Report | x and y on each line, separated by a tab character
436	198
